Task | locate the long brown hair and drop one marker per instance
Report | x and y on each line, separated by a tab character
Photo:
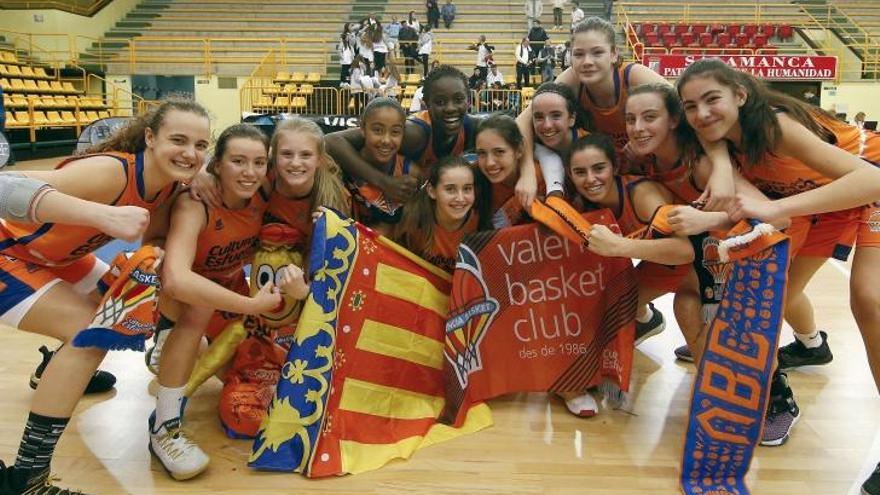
415	231
130	138
327	189
757	117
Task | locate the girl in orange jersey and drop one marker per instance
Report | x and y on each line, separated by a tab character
556	123
593	171
600	82
441	213
653	116
47	263
382	125
206	250
807	163
499	148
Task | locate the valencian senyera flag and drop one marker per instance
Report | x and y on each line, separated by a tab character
532	311
363	381
746	270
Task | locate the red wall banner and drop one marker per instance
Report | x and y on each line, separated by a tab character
772	67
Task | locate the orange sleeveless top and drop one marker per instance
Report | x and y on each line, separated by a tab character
229	238
428	156
611	120
444	247
57	244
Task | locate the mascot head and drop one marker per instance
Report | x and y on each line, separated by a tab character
280	245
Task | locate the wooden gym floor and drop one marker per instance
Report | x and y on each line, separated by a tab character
535	447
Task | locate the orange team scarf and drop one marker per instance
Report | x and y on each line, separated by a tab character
127	312
748	269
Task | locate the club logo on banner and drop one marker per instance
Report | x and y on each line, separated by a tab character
530	311
475	311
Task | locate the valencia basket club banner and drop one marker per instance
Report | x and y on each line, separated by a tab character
531	311
363	381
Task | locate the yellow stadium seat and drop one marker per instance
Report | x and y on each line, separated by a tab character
40	73
56	86
289	89
31	86
13	70
68	118
282	102
54	118
93	115
18	101
17	85
306	89
282	76
9	57
103	114
272	90
5	84
10	119
82	117
3	70
27	71
68	87
60	101
22	118
314	77
40	119
528	92
44	86
409	90
299	102
298	77
414	78
263	102
72	101
405	103
44	102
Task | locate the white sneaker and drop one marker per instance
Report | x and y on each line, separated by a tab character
154	355
179	455
584	406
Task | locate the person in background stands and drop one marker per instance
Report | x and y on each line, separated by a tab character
448	13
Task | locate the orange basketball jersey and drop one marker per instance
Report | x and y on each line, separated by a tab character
444	248
228	241
428	155
610	120
58	245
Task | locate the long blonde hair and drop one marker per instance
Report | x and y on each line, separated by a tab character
327	189
130	138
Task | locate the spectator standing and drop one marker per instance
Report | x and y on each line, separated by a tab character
414	22
534	9
380	47
558	6
577	15
537	37
608	5
483	51
346	55
523	56
409	46
547	60
563	55
426	45
392	32
417	105
448	13
433	13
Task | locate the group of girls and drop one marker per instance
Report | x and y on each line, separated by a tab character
412	179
